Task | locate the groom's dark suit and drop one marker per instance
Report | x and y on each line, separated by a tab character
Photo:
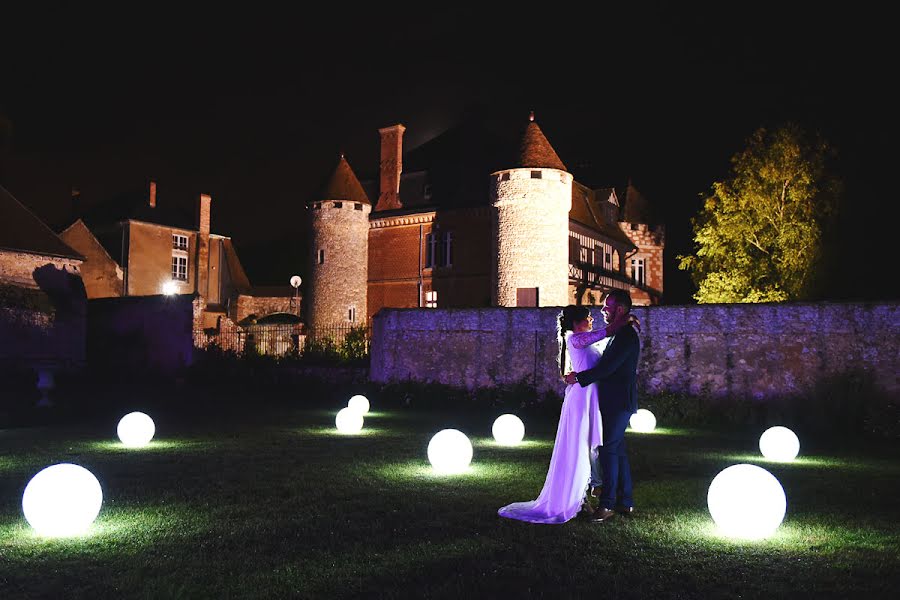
616	378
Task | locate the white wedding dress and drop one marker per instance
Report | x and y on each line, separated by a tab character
579	430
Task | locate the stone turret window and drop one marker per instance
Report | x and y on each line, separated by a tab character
321	257
317	206
351	314
504	176
357	206
536	175
338	204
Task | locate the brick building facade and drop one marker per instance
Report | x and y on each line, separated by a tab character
465	220
134	246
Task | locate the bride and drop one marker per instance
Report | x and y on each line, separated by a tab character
579	429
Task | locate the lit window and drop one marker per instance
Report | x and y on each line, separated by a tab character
584	255
179	268
637	270
179	242
321	258
431	299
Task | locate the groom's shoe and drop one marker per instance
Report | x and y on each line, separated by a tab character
602	515
625	511
587	510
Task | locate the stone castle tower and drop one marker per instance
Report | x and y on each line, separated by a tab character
340	252
530	226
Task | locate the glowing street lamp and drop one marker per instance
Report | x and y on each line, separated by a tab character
508	430
450	451
62	500
746	501
779	443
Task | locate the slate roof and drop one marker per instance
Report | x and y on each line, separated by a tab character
134	204
588	209
343	185
637	209
21	230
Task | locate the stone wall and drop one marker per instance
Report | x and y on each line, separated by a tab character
729	351
141	334
42	312
262	306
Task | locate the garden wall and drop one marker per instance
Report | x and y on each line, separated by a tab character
749	351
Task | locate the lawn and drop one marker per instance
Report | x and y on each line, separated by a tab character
281	505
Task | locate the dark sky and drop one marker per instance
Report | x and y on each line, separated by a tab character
254	105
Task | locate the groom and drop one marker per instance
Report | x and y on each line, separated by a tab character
615	375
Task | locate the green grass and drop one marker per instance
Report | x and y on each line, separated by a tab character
284	506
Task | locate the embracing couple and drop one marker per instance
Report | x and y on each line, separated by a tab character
600	368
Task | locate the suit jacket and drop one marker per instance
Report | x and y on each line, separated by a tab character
616	372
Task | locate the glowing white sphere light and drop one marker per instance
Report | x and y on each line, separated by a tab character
62	500
746	501
450	451
349	420
642	421
360	403
136	429
779	443
169	288
508	430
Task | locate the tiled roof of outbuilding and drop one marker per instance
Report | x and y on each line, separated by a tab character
21	230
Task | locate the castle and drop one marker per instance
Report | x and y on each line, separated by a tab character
469	223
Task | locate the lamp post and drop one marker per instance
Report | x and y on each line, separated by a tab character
295	282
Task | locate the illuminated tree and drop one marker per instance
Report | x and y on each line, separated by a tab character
759	234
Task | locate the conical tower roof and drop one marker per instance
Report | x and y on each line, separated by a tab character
344	185
535	151
637	208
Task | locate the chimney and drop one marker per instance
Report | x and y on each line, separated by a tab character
391	167
76	201
152	194
203	246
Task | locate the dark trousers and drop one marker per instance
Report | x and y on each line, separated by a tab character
614	462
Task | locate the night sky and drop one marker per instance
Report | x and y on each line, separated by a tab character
254	105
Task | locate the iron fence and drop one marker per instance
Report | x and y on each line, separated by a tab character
349	341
